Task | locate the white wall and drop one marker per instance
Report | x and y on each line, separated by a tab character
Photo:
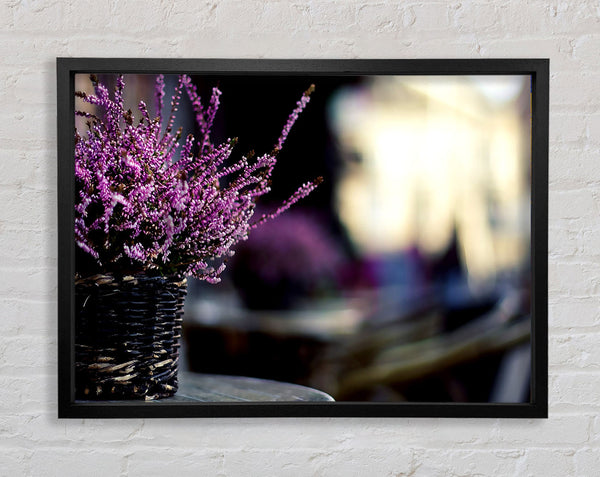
32	440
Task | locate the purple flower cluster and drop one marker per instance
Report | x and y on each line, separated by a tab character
146	202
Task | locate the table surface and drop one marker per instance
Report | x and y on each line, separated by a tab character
194	387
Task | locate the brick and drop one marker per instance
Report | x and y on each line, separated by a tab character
574	165
15	127
591	242
19	429
472	16
39	16
574	204
574	313
439	431
129	44
7	15
332	16
563	90
568	127
517	45
21	395
15	461
158	15
19	168
89	17
431	16
578	17
559	431
513	18
267	17
322	462
587	461
595	430
380	18
467	462
26	245
27	207
67	461
230	430
585	49
20	316
270	17
563	241
28	354
573	388
575	351
407	45
34	91
107	432
24	50
547	462
593	129
188	462
27	283
577	279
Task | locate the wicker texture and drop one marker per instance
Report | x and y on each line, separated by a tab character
128	334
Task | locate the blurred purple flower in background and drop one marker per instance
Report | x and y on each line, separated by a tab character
287	259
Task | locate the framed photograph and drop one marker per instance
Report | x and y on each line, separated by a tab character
302	238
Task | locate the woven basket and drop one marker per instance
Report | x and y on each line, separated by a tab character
128	334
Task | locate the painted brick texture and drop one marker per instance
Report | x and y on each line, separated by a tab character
33	442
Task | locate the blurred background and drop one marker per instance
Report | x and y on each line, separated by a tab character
406	275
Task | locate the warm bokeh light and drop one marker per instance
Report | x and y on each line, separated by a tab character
430	157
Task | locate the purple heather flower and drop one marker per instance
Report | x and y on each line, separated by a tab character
146	202
300	105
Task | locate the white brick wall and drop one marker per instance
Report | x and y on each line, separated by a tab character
32	440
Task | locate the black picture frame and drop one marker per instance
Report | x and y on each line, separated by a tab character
539	71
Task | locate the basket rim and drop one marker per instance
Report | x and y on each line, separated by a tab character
109	279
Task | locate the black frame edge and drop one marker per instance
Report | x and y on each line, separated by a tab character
538	68
66	262
539	230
